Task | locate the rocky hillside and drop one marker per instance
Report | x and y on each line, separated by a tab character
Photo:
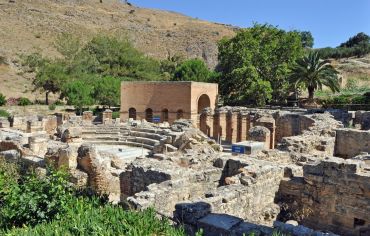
354	68
33	25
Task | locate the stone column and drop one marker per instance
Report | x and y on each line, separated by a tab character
107	116
243	127
87	116
234	127
210	127
223	126
216	126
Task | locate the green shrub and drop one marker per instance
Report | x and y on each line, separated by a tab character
24	101
52	107
4	113
351	84
59	103
342	99
359	99
115	115
32	205
33	200
2	100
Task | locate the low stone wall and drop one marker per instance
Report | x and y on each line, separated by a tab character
350	142
332	195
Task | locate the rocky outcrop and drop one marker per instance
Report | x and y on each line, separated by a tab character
100	177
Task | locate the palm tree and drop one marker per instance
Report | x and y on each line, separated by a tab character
312	73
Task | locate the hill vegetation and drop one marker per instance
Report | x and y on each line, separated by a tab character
33	26
358	46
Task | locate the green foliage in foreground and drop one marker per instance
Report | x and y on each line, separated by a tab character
88	218
31	205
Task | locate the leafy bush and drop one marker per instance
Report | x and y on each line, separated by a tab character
24	101
33	200
88	218
32	205
2	100
52	107
359	99
115	115
59	103
342	99
4	113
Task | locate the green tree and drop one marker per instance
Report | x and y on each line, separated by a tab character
356	40
118	58
68	45
169	65
50	77
306	38
107	91
313	73
192	70
257	61
78	93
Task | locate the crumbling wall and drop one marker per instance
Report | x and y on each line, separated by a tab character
333	195
291	125
101	177
350	142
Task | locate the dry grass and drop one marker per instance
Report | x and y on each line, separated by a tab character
32	25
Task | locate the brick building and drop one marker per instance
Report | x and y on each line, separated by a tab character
166	101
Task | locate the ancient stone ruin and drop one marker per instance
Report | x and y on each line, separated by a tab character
311	175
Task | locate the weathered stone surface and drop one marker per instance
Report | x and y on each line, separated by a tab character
100	179
10	155
350	142
333	195
38	145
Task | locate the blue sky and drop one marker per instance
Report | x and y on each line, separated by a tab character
331	22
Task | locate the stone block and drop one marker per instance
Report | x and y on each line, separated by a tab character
190	213
10	155
248	147
218	224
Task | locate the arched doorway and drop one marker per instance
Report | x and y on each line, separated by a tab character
149	115
203	102
164	115
180	114
132	113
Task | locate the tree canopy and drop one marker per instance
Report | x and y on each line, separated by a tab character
192	70
358	45
255	63
313	73
105	60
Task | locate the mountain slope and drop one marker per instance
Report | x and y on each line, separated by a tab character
32	25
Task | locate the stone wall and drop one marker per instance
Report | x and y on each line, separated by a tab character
239	187
350	142
291	125
333	195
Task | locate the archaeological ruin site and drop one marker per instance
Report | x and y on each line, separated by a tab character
226	170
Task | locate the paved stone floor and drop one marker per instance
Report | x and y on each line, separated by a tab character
123	151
